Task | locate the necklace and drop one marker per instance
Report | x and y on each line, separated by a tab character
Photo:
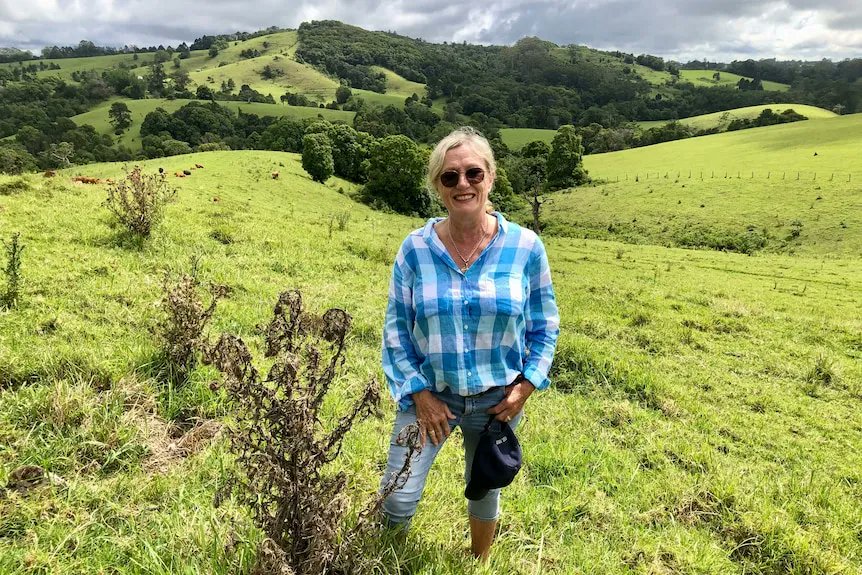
466	260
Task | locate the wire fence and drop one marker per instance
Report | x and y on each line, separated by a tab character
783	175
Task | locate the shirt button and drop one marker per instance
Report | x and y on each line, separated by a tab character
465	326
469	374
466	302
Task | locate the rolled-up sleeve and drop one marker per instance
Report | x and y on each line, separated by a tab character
401	359
542	319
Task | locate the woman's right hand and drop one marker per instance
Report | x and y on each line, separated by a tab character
433	416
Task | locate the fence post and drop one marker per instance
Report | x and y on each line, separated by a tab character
768	174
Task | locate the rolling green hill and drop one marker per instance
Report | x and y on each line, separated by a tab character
516	138
705	78
98	117
722	119
693	391
794	187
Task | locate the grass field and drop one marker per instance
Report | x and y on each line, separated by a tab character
705	78
722	119
98	117
517	138
703	417
787	148
736	190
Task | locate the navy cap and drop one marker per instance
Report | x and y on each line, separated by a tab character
496	462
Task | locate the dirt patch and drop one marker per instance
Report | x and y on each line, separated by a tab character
166	450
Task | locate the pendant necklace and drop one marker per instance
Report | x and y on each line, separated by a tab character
457	251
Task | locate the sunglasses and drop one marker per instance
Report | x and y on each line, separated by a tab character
451	179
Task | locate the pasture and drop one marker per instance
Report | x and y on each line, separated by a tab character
98	116
706	78
762	188
721	120
704	416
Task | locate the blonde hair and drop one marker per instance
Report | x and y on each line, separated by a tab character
457	138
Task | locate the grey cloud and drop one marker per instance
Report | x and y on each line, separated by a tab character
680	29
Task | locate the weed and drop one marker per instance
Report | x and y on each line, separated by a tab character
138	200
182	329
222	236
821	374
15	186
282	448
10	297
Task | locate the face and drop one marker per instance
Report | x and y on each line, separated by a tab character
464	198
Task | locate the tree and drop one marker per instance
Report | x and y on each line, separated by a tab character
528	180
15	160
156	81
395	172
213	52
120	116
60	154
181	79
317	157
343	93
565	162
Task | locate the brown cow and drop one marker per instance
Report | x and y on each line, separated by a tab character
275	175
198	166
49	173
179	175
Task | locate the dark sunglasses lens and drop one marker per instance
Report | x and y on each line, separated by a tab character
475	175
449	179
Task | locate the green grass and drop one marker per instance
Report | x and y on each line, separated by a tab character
704	415
98	116
722	119
705	78
517	138
787	148
737	190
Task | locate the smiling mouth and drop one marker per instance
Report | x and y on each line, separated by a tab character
463	197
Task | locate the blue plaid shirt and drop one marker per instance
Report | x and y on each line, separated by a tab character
469	331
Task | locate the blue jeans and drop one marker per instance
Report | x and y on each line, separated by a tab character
471	416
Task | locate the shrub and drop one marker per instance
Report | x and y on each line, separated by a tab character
10	296
186	319
138	200
282	446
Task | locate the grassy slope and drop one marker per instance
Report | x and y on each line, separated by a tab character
98	117
665	205
704	78
722	119
688	430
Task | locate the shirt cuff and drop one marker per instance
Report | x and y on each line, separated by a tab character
534	376
406	390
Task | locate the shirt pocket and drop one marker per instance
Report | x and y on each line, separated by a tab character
502	293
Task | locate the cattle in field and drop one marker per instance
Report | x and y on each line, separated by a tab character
275	175
179	175
199	166
49	173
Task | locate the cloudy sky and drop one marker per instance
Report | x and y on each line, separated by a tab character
678	29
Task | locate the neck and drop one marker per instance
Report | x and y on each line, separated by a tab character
470	225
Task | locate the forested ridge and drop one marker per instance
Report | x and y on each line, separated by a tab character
532	84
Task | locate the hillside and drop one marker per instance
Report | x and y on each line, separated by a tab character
706	78
98	117
694	391
720	120
794	187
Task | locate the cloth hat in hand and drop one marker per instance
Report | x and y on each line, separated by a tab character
496	462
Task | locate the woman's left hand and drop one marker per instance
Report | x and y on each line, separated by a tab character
513	403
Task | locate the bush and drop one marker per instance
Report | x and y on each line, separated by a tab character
10	296
138	200
395	172
15	160
283	449
186	318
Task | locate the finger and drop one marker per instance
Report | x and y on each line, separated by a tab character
448	412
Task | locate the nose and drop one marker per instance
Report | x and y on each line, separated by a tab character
463	184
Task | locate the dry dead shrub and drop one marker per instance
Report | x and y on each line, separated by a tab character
138	200
283	448
186	319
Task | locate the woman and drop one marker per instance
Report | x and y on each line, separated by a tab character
470	328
